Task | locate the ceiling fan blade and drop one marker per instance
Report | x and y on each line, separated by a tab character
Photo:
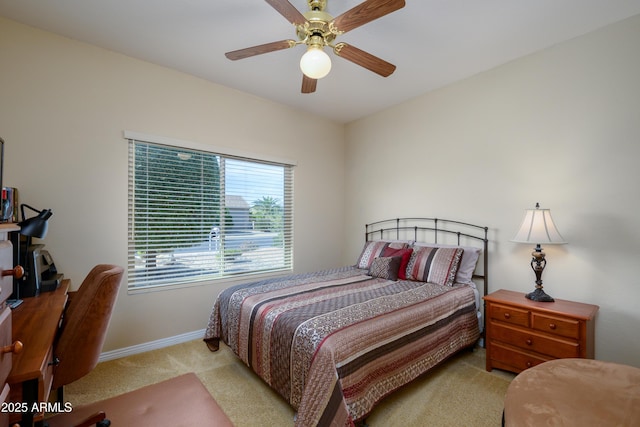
308	84
364	59
260	49
365	12
288	10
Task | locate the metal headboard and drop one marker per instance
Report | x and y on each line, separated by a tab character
435	230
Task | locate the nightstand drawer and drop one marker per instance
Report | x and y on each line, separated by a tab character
515	358
531	341
510	315
556	325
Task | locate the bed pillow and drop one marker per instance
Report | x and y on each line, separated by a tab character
375	249
405	253
467	263
434	265
385	267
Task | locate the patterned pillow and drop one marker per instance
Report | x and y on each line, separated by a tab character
385	267
405	253
374	249
467	262
434	265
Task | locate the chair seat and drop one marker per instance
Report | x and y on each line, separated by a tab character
181	401
574	392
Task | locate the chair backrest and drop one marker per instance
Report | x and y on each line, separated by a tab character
85	324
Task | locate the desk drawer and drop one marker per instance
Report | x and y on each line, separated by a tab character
40	387
6	263
4	397
5	340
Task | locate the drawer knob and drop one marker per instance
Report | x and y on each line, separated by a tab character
507	316
529	364
14	348
17	272
552	326
529	341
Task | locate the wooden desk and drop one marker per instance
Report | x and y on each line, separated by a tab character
35	324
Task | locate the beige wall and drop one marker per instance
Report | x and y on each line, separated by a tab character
63	108
560	127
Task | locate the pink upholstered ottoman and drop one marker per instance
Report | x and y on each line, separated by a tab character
181	401
574	392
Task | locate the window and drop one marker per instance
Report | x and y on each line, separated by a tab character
196	215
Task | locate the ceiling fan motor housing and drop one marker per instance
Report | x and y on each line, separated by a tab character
317	25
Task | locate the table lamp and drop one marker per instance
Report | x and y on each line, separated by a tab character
538	228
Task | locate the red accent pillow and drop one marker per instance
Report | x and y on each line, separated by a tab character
405	254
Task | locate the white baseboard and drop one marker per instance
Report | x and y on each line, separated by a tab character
153	345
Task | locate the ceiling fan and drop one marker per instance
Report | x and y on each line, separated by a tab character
317	29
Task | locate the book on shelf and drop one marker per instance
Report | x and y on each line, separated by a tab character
9	211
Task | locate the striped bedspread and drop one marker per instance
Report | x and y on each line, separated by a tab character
334	343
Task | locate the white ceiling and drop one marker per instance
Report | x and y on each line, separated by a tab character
432	42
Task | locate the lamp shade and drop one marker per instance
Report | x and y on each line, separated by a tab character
538	227
35	226
315	63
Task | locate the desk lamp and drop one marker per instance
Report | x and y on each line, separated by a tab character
537	228
35	226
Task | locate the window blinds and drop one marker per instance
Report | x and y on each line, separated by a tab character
196	215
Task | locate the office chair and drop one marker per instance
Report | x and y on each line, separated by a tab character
84	325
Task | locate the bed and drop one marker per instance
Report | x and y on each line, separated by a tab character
335	342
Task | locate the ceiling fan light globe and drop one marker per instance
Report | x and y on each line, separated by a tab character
315	63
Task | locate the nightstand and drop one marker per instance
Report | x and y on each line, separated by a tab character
521	333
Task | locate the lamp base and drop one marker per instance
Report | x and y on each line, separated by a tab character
539	295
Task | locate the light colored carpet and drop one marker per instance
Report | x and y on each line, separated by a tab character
457	393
